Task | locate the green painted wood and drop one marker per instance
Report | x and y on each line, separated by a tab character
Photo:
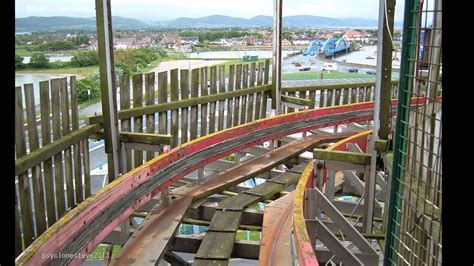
251	104
238	202
204	106
45	109
58	166
174	84
150	100
126	124
212	106
216	245
56	147
66	128
230	102
299	168
184	80
265	190
193	130
342	156
259	95
225	221
138	120
23	180
162	98
37	181
221	118
286	179
238	86
243	113
79	191
146	138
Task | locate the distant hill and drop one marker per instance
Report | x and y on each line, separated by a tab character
63	23
215	21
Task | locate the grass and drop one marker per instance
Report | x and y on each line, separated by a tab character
316	75
81	71
242	235
89	102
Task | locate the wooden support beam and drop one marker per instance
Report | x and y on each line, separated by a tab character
342	156
295	100
36	157
145	138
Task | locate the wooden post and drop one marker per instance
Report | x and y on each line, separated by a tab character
126	124
138	120
67	153
76	150
276	77
184	88
150	100
174	113
107	85
58	158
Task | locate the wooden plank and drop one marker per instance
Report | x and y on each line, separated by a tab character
145	138
250	107
259	95
18	241
37	182
225	221
126	124
342	156
86	166
36	157
45	109
330	98
302	95
204	92
230	102
216	245
220	121
66	127
266	94
58	166
243	113
150	100
212	106
312	98
193	134
162	98
184	74
23	182
174	97
76	152
337	97
368	93
138	120
238	86
345	96
353	95
322	94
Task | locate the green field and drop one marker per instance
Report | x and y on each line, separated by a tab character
316	75
81	71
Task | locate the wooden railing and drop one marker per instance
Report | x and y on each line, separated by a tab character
52	172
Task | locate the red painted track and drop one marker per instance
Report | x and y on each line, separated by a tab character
69	227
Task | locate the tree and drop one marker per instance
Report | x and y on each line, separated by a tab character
39	60
19	62
85	58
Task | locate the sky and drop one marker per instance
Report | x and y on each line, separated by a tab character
171	9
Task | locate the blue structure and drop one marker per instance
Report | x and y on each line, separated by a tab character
328	48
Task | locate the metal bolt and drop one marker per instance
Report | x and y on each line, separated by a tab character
319	165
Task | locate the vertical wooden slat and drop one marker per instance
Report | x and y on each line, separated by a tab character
194	109
67	153
220	121
126	124
266	95
361	94
174	113
345	96
76	152
230	102
58	166
250	106
337	97
86	167
322	94
184	74
23	180
46	139
37	182
330	97
312	98
162	98
18	241
204	92
290	109
258	97
138	121
238	86
353	95
212	108
243	114
302	94
368	94
150	100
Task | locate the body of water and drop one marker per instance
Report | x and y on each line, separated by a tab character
53	58
35	79
235	54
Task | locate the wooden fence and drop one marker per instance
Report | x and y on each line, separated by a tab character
52	157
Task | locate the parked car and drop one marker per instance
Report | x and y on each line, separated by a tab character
305	68
370	72
353	70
